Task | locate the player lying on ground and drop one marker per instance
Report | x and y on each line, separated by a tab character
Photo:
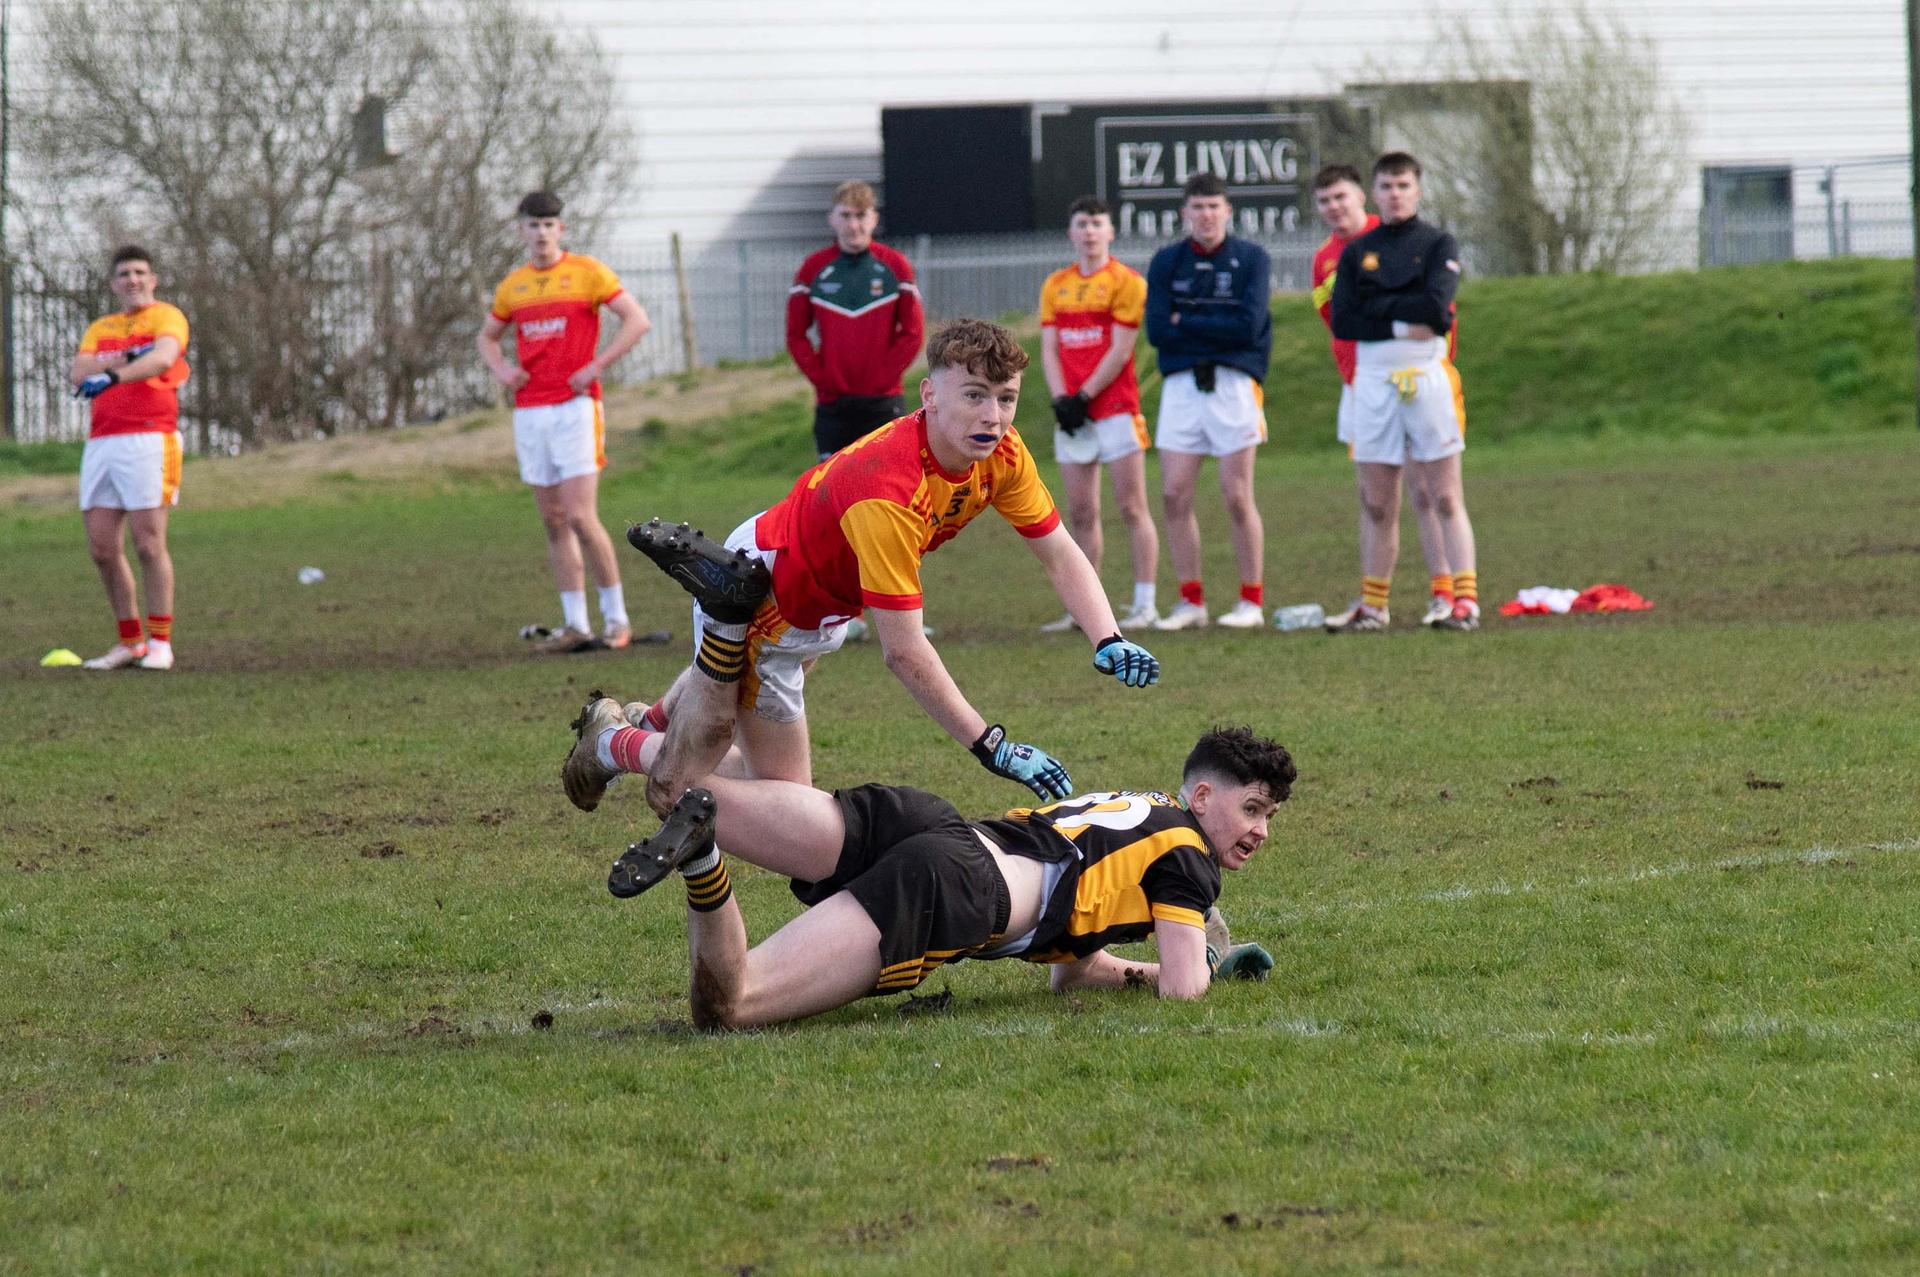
851	535
898	884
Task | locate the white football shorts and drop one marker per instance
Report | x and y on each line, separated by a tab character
560	441
774	685
1407	403
131	472
1108	439
1231	419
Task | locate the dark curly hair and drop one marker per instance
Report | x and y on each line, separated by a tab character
1236	754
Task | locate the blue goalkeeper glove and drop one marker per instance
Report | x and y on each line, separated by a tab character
92	387
1129	662
1242	962
1029	764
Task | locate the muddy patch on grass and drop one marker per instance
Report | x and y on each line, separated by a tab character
1033	1162
380	851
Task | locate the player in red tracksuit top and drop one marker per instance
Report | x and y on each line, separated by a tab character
1340	198
861	299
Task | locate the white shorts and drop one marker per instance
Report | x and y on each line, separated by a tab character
1102	441
131	472
560	441
1229	420
774	685
1343	418
1407	403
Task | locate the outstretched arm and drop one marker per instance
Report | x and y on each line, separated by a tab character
1075	581
913	661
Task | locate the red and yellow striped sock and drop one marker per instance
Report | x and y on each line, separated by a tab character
160	628
1441	583
1466	585
1374	590
130	631
708	891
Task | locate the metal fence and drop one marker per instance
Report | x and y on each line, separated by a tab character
735	299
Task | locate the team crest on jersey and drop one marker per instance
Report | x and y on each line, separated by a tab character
1370	262
877	286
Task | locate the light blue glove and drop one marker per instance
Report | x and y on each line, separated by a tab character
1029	764
1242	962
1129	662
92	386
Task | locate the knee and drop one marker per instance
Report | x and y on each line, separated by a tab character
1133	508
151	549
1446	505
555	520
1422	500
1085	520
104	553
1240	508
1178	502
1376	512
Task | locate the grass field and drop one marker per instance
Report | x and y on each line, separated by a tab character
1596	936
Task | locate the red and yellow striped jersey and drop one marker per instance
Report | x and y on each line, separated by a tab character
555	312
1083	311
852	532
1326	260
138	407
1133	859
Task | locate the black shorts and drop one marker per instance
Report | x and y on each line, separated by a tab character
922	875
837	424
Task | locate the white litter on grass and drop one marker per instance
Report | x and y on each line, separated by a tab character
310	576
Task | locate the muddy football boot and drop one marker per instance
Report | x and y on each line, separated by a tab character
686	835
583	775
729	585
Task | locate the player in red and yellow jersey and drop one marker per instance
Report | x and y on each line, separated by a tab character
851	534
131	365
1090	315
1340	198
559	428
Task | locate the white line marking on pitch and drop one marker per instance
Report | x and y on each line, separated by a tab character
1679	868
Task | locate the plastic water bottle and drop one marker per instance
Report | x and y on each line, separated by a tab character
1299	616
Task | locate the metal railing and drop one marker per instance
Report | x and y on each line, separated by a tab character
736	298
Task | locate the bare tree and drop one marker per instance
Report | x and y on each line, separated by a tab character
326	279
1549	139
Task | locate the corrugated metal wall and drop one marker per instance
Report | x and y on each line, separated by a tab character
748	111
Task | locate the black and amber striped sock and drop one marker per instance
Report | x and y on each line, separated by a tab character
721	658
1374	590
1466	585
708	890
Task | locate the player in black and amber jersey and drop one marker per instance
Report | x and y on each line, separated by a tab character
898	884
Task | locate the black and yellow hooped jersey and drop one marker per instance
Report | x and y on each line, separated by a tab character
1131	859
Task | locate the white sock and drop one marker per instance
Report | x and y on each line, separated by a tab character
694	868
1143	599
603	747
573	611
613	605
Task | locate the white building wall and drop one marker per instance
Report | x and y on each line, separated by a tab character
747	112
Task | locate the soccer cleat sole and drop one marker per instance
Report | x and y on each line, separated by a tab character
729	585
687	834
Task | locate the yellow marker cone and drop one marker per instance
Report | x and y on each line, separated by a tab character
60	656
